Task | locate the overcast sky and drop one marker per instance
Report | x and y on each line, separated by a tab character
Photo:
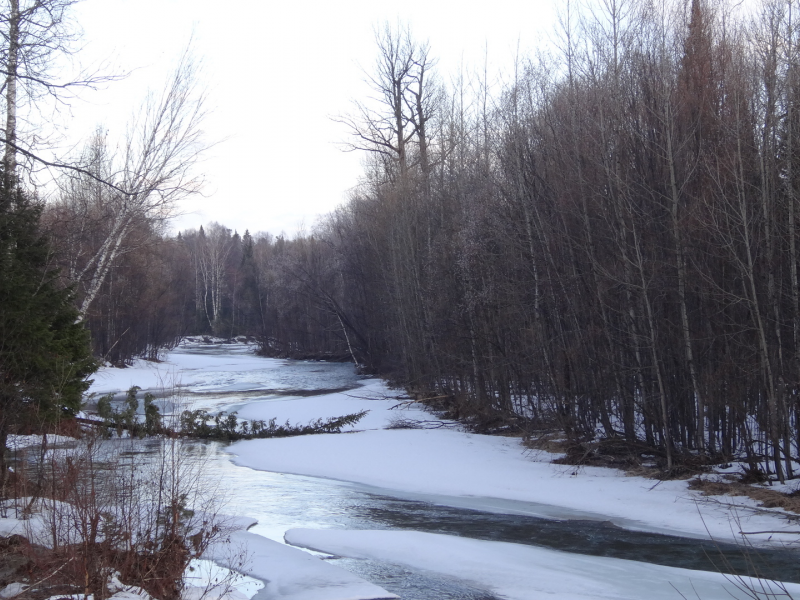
276	72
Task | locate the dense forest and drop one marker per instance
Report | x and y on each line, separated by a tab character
606	242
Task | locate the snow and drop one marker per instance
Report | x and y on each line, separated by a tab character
38	527
518	572
212	593
291	574
206	580
182	369
220	368
287	573
372	396
10	526
13	589
129	593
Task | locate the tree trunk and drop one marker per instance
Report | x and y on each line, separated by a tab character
12	63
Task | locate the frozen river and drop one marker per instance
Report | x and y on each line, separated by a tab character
281	502
228	378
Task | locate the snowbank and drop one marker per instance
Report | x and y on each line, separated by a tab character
291	574
520	572
372	396
19	442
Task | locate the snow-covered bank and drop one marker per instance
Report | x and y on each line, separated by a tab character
519	572
178	369
291	574
453	463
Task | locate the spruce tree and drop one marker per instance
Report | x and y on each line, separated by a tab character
45	355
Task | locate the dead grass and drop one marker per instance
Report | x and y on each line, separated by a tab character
765	497
552	442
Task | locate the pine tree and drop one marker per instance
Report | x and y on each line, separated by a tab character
45	355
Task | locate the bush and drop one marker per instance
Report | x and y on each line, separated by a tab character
126	419
106	507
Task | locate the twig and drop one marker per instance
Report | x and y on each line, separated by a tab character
41	581
403	404
758	532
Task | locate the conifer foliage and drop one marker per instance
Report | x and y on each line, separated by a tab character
44	351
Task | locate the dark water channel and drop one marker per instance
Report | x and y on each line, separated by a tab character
282	501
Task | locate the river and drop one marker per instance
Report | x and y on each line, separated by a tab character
282	501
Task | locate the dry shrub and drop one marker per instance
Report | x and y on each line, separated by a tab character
108	507
633	457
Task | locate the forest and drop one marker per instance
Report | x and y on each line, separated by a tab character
598	249
603	241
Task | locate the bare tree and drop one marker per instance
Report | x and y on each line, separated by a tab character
212	251
36	35
390	121
144	179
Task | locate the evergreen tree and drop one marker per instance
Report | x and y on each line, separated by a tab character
45	355
249	302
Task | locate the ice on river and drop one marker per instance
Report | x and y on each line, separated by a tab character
291	574
518	572
223	368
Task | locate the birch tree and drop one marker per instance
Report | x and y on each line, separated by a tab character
213	250
145	177
37	41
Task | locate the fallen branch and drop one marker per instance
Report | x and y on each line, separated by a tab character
401	423
223	426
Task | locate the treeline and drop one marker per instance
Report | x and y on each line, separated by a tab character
607	242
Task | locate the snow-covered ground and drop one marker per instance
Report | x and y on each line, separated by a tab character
464	469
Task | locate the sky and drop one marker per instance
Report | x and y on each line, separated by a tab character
275	75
